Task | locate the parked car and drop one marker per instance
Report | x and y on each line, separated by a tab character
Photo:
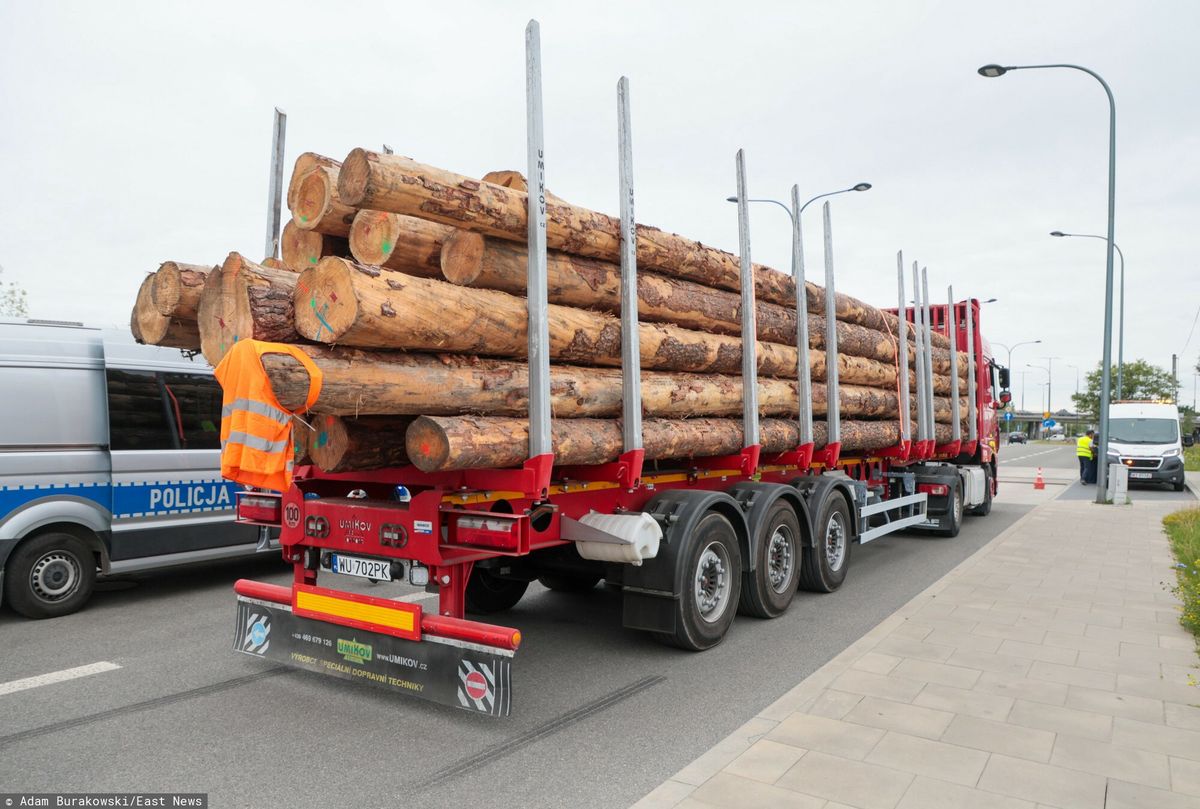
109	463
1018	438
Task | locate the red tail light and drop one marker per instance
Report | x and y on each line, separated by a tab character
936	489
259	508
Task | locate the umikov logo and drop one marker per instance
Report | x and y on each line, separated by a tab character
354	651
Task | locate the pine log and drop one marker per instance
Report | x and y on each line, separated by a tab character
302	249
345	444
152	327
372	383
176	288
318	206
302	436
397	242
355	305
400	185
469	259
305	163
245	301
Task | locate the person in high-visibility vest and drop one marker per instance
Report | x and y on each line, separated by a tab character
1083	451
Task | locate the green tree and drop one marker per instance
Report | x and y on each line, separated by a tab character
12	299
1142	381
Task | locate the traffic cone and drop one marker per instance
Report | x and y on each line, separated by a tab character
1039	482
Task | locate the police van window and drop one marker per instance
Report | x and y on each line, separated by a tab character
136	416
195	403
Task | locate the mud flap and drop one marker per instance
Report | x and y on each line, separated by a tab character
462	675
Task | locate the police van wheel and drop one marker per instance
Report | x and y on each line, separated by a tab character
49	575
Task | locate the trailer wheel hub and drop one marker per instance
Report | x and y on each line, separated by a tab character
835	541
55	576
780	556
712	582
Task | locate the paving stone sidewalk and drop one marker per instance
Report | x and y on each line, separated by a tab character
1048	670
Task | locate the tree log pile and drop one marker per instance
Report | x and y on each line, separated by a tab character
405	284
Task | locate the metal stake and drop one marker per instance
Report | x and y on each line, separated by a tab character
972	427
952	333
749	324
275	188
902	352
539	333
833	411
919	364
803	373
928	354
631	352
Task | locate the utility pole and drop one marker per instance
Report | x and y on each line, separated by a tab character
1175	378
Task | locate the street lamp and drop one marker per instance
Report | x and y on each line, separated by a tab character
1049	373
1120	311
1015	345
1076	367
994	71
796	214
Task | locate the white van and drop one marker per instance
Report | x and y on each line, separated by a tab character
1144	436
109	463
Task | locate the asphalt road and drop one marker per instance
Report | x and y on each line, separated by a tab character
1049	455
601	715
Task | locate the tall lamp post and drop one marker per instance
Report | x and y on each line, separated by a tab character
1045	368
1120	310
995	71
795	211
1015	345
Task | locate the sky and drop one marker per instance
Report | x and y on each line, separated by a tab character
135	133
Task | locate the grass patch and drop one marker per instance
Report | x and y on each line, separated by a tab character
1191	458
1183	527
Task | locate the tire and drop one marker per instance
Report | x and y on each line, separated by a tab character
824	564
768	590
563	583
956	511
1179	485
488	593
712	583
984	508
50	575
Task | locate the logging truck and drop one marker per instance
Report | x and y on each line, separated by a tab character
693	518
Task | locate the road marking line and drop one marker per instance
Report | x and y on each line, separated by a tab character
25	684
411	597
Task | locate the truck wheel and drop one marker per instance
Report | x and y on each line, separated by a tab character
712	583
955	512
50	575
768	590
488	593
984	508
568	584
825	561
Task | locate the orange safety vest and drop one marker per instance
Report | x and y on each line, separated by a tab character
256	431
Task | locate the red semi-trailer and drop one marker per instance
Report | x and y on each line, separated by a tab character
690	543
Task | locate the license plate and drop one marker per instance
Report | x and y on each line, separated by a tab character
363	568
1141	475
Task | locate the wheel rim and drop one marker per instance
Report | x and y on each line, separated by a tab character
712	582
56	576
958	507
781	555
835	541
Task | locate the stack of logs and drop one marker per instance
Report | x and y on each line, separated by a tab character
405	284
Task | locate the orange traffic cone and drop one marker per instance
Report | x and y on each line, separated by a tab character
1039	482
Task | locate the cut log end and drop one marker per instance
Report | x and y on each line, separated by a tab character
344	444
427	444
507	178
175	290
314	198
462	257
353	176
325	303
151	327
302	249
373	236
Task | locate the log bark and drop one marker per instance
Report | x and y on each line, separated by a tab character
151	327
245	301
318	206
344	444
373	383
305	163
176	289
302	249
397	242
355	305
864	436
401	185
469	259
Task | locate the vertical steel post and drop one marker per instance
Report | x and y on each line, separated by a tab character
919	364
275	186
749	321
972	427
833	410
539	334
902	352
803	373
631	352
388	149
952	333
928	354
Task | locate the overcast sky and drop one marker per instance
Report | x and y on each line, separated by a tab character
135	133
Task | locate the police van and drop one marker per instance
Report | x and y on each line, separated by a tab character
109	463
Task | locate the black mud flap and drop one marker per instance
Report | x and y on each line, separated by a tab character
463	675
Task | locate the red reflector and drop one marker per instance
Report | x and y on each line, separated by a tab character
253	507
936	489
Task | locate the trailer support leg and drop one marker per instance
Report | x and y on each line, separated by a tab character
452	589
